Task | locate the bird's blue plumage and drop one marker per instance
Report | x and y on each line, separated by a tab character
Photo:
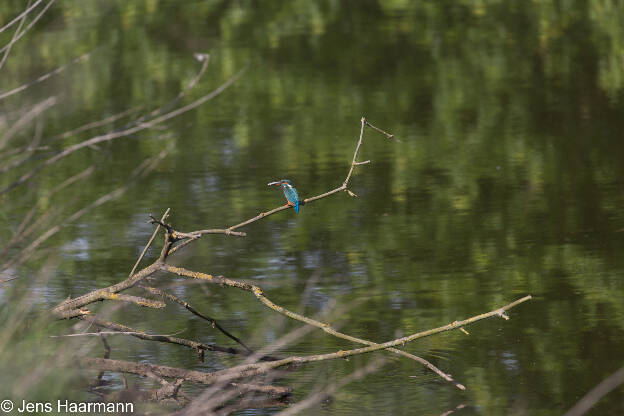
290	193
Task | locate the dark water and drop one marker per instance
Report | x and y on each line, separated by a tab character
508	180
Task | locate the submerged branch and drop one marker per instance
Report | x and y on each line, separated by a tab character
199	377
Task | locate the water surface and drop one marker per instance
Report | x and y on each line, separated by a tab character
507	180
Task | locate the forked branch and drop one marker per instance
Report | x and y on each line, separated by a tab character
251	370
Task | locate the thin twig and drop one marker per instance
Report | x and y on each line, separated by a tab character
107	351
198	346
388	135
98	333
147	166
10	44
44	76
597	393
18	17
15	35
94	124
213	397
192	236
122	133
149	243
28	151
332	388
22	232
181	94
188	307
25	119
357	149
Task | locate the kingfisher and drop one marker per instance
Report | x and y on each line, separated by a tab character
290	193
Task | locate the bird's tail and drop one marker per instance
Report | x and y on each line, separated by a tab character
296	207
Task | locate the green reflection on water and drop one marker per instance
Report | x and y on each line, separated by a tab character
507	180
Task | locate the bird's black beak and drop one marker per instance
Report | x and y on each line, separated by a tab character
274	183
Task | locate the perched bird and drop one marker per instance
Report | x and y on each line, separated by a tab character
290	193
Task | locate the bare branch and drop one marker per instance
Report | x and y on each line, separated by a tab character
22	232
25	119
45	76
135	299
100	333
149	243
122	133
332	388
205	60
193	376
388	135
188	307
15	39
21	15
597	393
357	149
198	346
192	236
28	151
101	294
147	166
94	124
